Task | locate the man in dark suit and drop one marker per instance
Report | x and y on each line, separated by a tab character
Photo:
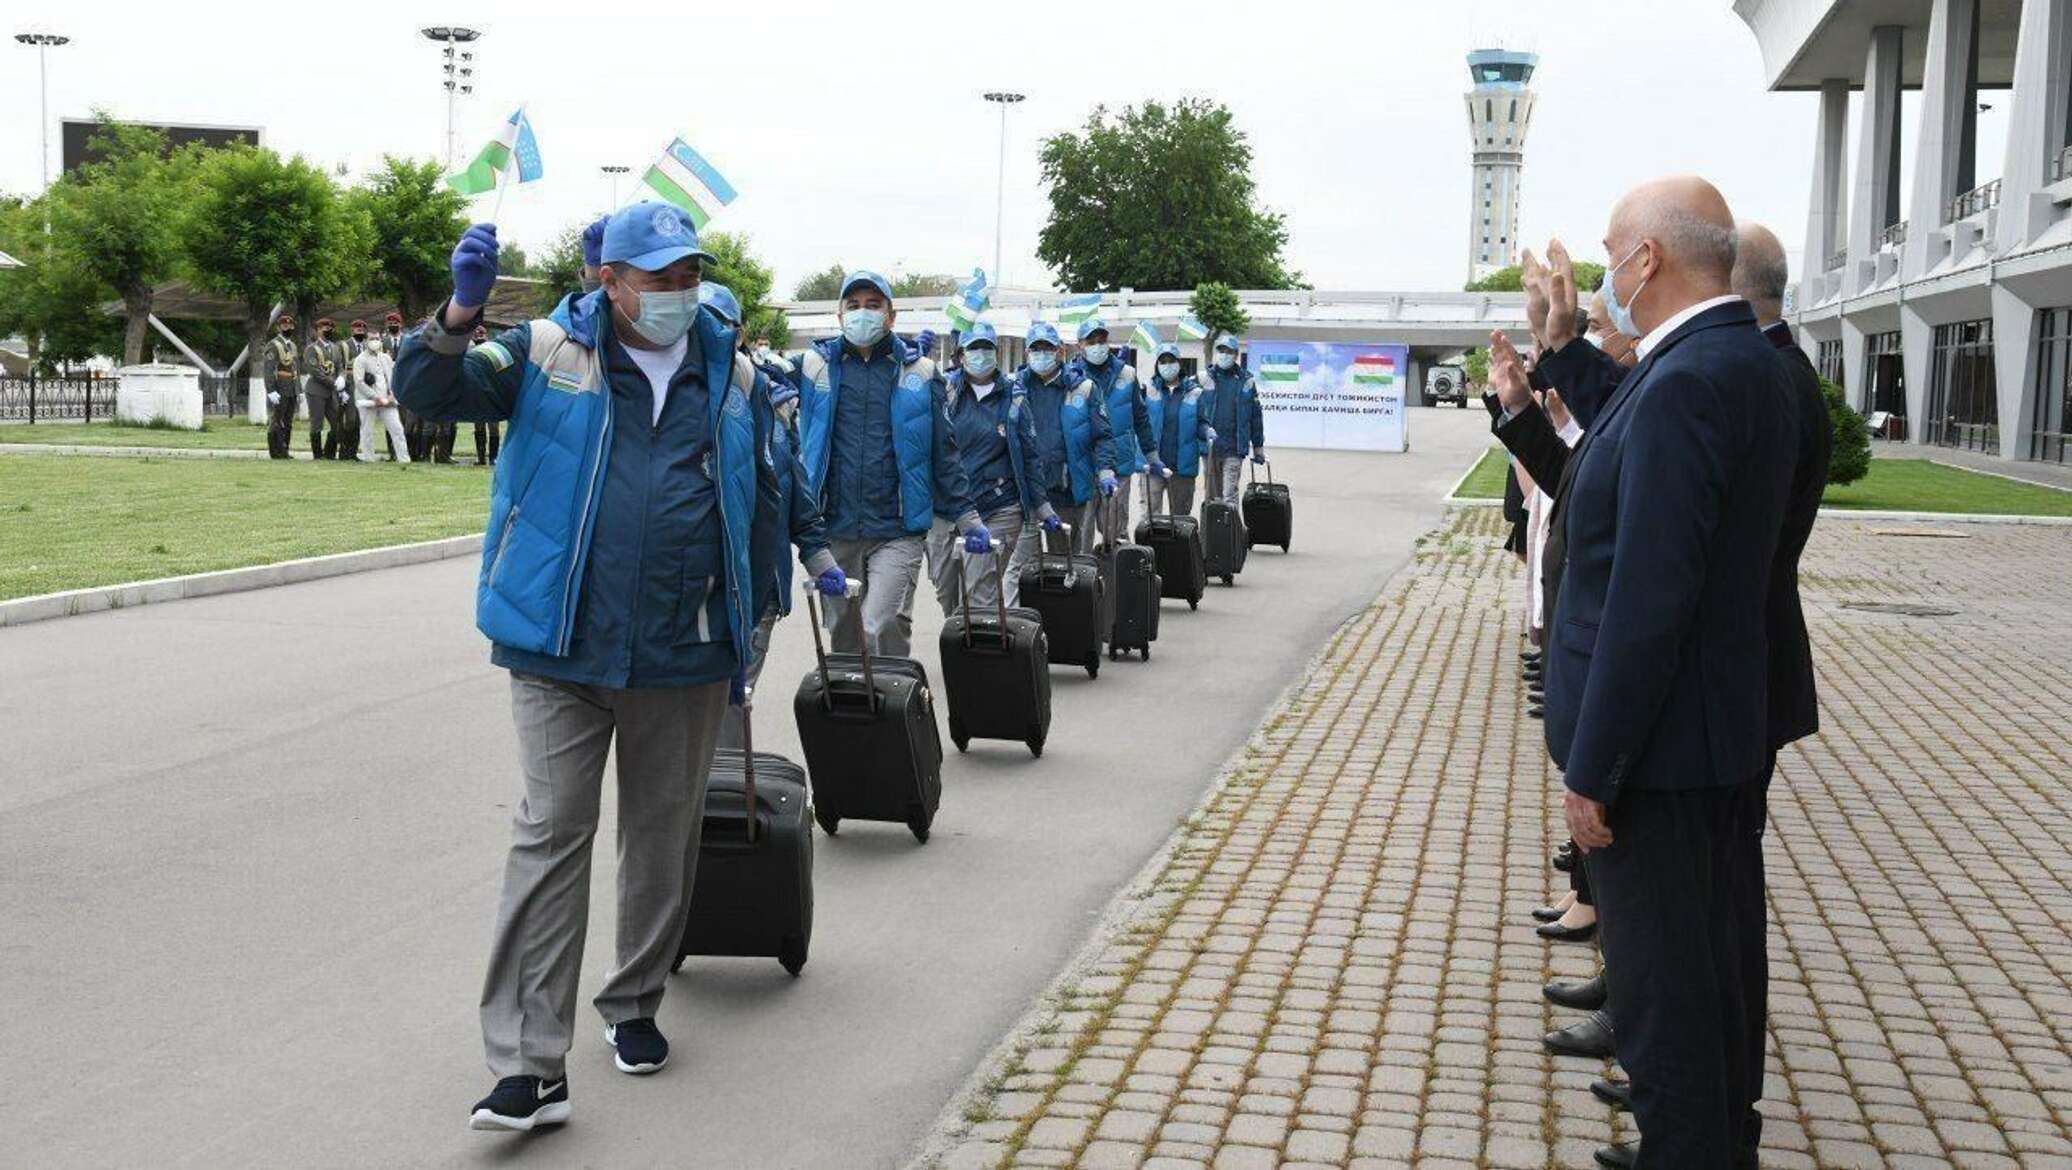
1657	678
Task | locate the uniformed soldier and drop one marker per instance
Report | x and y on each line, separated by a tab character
324	363
348	412
486	434
279	365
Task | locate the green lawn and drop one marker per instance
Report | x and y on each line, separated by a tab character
215	433
72	523
1894	485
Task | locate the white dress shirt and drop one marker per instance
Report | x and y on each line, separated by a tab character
1663	330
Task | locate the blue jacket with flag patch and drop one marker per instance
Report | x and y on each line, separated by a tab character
1129	423
1233	409
1179	421
876	443
996	438
1071	435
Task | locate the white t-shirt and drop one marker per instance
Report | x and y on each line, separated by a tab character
660	365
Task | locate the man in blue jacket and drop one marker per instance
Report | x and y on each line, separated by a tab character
1180	420
1129	424
1072	439
1234	413
617	587
996	439
882	461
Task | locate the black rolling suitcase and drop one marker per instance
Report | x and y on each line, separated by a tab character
996	670
754	891
1135	577
1223	540
1175	542
868	726
1066	589
1268	512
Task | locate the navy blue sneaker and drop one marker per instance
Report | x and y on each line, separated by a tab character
522	1103
639	1047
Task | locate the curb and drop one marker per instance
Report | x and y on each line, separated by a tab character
1451	493
73	602
1868	514
95	450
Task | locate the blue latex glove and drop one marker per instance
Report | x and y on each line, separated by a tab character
978	540
1258	454
1052	523
925	341
474	266
833	583
593	243
1159	469
1107	484
1211	438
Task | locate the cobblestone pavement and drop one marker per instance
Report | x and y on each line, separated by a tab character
1332	965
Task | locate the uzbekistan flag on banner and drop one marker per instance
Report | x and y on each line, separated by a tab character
971	300
1193	330
1377	369
1145	337
1279	367
1078	307
513	141
683	177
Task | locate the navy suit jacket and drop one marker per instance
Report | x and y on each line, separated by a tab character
1658	663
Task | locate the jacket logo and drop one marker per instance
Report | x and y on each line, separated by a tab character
564	380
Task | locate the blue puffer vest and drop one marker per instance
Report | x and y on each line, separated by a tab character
1116	382
545	493
913	427
1064	414
1176	420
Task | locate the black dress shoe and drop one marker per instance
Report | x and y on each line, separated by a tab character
1585	995
1617	1094
1536	712
1547	914
1618	1155
1529	655
1560	933
1589	1037
1564	858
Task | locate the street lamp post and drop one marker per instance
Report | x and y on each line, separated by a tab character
459	70
612	171
44	43
1003	100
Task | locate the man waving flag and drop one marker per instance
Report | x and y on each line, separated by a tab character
514	143
965	308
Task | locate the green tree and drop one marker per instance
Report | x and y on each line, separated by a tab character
415	219
264	229
1214	305
1476	365
1159	197
733	264
1851	459
824	285
560	268
1510	278
925	284
53	305
115	219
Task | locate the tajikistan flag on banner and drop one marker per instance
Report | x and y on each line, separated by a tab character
683	177
1193	330
1279	367
1145	337
971	299
1078	307
1373	370
513	143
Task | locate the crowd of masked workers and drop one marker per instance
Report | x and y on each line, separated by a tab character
661	472
343	385
1669	449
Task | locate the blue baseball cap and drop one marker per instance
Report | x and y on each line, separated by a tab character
721	300
866	276
650	236
982	333
1168	349
1042	331
1091	326
1226	341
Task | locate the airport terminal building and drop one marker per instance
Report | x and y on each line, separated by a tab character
1944	311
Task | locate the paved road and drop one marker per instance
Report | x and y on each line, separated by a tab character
249	850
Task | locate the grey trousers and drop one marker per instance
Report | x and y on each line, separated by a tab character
1079	516
888	570
1174	494
664	738
1224	482
946	553
1112	517
730	736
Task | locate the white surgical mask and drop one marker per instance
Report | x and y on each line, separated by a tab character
1225	359
863	328
980	362
1043	361
665	316
1096	354
1170	371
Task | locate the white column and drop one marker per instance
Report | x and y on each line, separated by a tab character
2035	120
1856	366
1877	156
2014	370
1827	215
1946	115
1916	354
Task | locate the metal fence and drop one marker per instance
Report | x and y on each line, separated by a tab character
40	399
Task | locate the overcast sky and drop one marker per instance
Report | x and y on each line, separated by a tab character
857	132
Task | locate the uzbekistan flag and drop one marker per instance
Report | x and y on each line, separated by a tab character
1377	369
683	177
1145	337
971	300
1078	307
1193	330
513	142
1279	367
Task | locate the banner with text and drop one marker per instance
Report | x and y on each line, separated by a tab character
1333	397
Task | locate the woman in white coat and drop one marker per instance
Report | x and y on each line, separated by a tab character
371	373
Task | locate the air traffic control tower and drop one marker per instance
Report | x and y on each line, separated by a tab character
1499	114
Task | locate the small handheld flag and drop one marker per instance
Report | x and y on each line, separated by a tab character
514	143
1144	337
683	177
1078	307
971	300
1193	330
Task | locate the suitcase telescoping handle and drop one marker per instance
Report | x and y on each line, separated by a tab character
748	760
999	593
1269	472
855	593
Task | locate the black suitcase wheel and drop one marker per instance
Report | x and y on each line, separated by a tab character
792	955
1035	742
1194	603
957	735
1112	653
1147	651
676	966
1284	549
1229	580
1093	665
917	823
828	820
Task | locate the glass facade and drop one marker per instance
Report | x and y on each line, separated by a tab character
1963	399
2053	387
1885	388
1827	361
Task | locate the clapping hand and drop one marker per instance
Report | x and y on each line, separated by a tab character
1560	283
1532	277
1507	374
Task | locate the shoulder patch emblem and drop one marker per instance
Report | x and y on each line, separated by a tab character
567	380
495	354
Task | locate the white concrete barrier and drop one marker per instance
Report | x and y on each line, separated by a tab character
159	393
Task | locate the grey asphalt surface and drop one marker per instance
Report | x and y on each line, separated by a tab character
250	848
